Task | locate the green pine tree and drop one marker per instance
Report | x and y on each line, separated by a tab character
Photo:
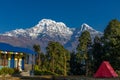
112	43
38	51
98	53
83	50
58	58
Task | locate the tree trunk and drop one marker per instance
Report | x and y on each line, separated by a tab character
87	69
53	65
39	60
65	72
32	62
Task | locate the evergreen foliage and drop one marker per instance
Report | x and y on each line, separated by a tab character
98	53
83	54
57	57
88	57
112	43
38	51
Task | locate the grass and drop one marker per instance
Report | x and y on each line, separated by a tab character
56	78
65	78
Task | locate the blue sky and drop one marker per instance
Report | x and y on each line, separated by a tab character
16	14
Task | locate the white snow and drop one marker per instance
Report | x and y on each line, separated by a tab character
51	28
45	26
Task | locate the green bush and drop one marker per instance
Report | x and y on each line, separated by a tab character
6	70
36	68
38	71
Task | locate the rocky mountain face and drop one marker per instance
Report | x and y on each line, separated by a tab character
47	30
72	44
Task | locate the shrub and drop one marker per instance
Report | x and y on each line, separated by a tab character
36	68
10	71
43	71
6	70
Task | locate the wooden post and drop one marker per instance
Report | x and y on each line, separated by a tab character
32	72
5	60
32	62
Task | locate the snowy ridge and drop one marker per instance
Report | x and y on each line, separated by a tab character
92	31
86	27
45	26
47	30
48	27
53	29
15	33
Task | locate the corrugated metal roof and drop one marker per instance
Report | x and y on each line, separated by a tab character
10	48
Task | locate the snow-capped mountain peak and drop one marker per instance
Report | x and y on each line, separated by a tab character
85	26
15	33
52	28
45	22
47	30
45	26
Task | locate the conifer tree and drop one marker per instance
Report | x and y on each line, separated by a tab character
97	53
112	43
83	50
38	51
58	58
